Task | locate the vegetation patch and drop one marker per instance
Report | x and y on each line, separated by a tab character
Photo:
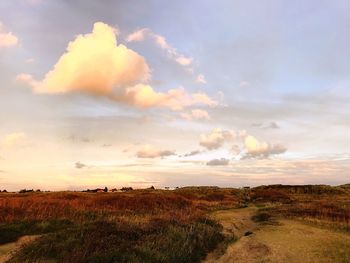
104	241
12	231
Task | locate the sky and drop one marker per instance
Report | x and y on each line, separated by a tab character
173	93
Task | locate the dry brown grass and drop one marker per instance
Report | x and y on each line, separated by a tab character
75	205
136	226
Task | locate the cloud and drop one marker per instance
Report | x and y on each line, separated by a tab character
201	79
160	41
184	61
7	39
80	165
137	36
14	139
196	114
148	151
144	96
95	64
217	162
192	153
216	138
260	149
245	145
272	125
235	149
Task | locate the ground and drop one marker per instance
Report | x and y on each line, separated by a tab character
279	240
8	249
274	223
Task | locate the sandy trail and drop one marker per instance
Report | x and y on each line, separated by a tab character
235	222
287	241
8	249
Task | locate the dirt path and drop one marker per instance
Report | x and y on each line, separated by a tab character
8	249
287	241
236	222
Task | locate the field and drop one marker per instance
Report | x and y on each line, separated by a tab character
192	224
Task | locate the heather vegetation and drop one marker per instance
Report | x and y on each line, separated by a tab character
154	225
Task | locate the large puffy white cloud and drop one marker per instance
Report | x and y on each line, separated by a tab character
7	39
149	151
216	138
96	64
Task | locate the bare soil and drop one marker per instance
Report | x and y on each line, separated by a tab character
283	241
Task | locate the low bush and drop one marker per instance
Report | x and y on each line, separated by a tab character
103	241
12	231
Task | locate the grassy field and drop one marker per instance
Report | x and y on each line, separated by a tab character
192	224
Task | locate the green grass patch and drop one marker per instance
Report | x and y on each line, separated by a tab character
103	241
12	231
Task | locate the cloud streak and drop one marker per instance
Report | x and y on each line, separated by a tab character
218	162
201	79
161	42
196	114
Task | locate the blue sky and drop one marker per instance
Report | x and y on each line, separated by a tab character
272	77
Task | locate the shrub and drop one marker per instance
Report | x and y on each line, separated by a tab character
104	241
11	232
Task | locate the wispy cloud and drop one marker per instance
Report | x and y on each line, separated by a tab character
161	42
201	79
195	114
271	125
